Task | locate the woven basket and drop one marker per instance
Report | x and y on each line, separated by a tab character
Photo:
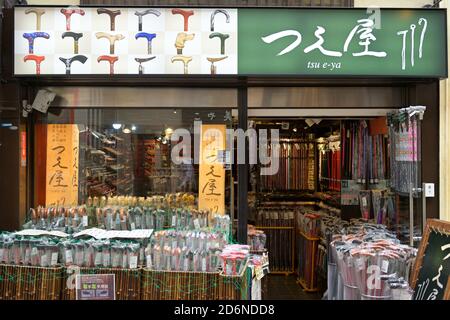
235	287
30	283
179	285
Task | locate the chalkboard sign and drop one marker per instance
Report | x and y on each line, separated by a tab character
432	269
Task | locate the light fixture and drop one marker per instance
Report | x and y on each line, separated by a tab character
175	111
13	128
117	126
309	122
169	132
126	130
133	128
295	129
5	124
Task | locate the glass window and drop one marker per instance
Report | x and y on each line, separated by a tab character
90	153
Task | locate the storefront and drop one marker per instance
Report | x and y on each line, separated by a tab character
352	95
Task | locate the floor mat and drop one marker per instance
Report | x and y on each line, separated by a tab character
281	287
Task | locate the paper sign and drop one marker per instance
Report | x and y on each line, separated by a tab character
385	266
211	170
33	232
112	234
95	287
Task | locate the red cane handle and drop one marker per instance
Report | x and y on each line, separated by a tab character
186	14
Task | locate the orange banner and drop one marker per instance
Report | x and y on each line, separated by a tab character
62	165
211	171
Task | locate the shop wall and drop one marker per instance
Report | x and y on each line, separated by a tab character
444	140
428	95
12	193
54	2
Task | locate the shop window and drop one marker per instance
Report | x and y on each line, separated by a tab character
96	154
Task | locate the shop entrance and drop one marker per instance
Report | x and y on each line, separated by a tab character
336	166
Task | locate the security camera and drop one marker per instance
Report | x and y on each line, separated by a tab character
41	103
43	100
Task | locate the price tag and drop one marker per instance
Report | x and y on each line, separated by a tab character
106	259
27	255
186	264
174	244
204	264
115	261
133	226
364	201
98	258
196	224
124	261
85	221
149	261
141	254
1	254
259	273
174	220
34	251
69	258
133	262
54	260
360	263
385	266
44	261
138	221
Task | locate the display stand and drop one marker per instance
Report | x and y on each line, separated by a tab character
307	251
275	256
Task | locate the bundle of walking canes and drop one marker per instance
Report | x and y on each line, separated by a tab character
371	263
297	167
37	264
278	224
364	157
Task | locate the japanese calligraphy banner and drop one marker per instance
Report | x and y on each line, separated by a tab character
431	274
62	165
211	169
243	41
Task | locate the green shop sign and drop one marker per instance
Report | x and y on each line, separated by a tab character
233	41
326	42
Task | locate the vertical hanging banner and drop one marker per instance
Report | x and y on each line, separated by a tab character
212	172
62	165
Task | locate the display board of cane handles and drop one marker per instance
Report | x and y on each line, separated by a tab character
112	41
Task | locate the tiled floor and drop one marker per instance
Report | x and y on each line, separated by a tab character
281	287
